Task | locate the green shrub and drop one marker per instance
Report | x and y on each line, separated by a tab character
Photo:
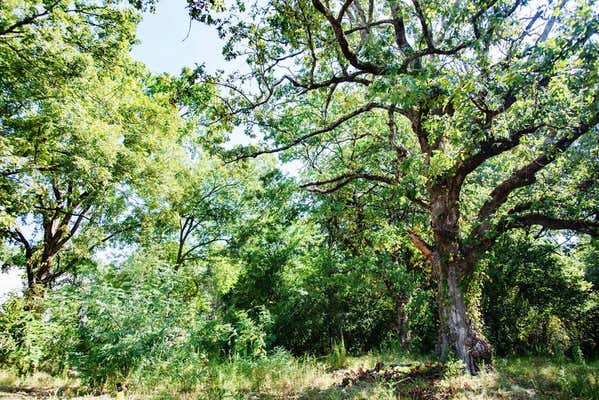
32	340
536	300
453	367
135	323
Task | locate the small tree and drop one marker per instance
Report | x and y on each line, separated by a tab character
83	142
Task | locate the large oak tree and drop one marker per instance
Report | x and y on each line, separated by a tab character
482	114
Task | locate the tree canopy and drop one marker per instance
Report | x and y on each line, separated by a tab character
446	201
74	152
472	112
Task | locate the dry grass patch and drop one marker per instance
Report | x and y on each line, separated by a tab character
283	377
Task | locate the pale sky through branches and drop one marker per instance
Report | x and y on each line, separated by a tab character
168	42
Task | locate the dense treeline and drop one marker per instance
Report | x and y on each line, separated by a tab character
448	200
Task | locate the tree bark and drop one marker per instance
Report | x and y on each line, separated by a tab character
456	328
452	269
39	274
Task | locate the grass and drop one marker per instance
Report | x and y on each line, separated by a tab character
281	377
39	384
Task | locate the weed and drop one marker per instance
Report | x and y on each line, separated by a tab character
337	359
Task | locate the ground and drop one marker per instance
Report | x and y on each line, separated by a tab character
283	377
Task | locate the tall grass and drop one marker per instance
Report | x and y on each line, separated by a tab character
281	376
337	359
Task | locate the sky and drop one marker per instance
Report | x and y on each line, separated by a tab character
164	46
168	42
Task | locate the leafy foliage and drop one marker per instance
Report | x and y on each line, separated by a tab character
74	154
448	200
536	299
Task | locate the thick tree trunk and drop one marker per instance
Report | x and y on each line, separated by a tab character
405	334
402	326
456	329
39	277
39	274
452	269
36	287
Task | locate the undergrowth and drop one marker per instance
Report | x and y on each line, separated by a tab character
282	376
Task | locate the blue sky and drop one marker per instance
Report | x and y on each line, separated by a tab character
164	43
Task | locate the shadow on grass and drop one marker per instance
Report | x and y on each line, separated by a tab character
361	391
419	389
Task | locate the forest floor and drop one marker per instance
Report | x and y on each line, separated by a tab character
286	378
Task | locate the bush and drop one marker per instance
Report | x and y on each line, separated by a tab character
136	322
32	340
535	301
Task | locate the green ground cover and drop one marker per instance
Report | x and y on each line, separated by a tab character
282	376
